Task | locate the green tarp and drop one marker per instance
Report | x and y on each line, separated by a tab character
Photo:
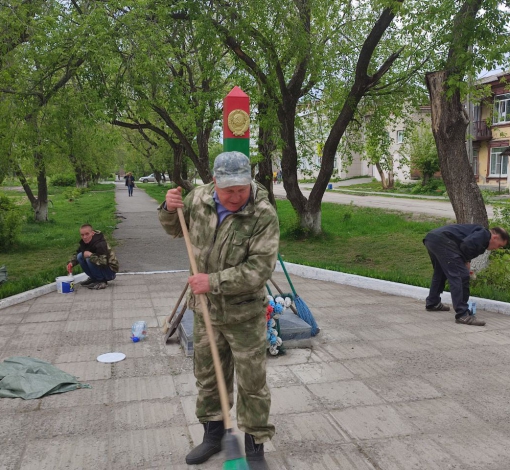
29	378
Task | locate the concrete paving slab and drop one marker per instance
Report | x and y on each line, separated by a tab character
66	452
148	447
373	422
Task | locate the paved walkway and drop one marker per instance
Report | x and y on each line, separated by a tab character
143	244
385	386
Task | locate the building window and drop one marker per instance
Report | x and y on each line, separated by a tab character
499	166
475	162
400	137
501	109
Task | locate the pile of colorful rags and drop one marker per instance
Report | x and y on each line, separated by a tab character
275	308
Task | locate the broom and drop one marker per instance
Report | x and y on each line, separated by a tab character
302	309
234	458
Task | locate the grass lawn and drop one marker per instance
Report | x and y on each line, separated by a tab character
363	241
43	249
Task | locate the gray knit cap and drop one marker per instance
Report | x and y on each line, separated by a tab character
232	169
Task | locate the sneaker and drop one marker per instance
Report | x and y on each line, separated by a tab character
88	282
98	285
468	319
438	308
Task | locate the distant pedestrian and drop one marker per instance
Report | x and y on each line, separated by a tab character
451	249
274	176
130	183
95	257
279	176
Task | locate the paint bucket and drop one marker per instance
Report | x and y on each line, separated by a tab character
65	284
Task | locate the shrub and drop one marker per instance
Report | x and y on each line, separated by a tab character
497	273
11	222
501	216
63	180
73	193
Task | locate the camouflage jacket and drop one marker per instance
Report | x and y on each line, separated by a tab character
102	255
239	255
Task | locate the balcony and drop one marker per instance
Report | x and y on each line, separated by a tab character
481	131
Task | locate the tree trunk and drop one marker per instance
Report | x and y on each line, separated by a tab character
391	179
381	175
179	168
311	220
80	178
449	123
41	204
80	174
266	147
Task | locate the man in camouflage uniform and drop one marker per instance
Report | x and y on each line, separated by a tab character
234	232
95	257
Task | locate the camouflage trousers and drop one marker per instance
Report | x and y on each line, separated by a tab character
242	347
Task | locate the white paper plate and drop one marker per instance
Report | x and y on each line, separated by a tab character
111	357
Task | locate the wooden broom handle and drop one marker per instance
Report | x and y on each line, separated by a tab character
220	378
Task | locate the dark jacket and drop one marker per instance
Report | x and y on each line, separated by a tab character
130	180
102	255
467	240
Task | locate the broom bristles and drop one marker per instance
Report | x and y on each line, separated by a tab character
235	460
305	314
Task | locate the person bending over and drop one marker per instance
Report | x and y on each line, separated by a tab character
451	249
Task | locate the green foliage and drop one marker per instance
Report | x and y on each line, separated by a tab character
63	180
420	152
487	195
432	186
501	216
497	274
11	221
72	194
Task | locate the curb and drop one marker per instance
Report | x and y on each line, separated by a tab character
388	287
308	272
32	294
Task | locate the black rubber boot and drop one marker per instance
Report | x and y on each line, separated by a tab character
254	453
213	433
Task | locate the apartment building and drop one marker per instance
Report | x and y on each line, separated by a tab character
490	132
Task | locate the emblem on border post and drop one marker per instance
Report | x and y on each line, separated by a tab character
238	122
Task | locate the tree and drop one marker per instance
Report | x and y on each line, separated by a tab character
420	153
478	28
291	48
170	82
38	63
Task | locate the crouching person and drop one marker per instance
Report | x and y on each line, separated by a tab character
95	257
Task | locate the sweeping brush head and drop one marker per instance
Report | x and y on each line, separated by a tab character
234	458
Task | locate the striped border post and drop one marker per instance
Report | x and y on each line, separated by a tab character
236	122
